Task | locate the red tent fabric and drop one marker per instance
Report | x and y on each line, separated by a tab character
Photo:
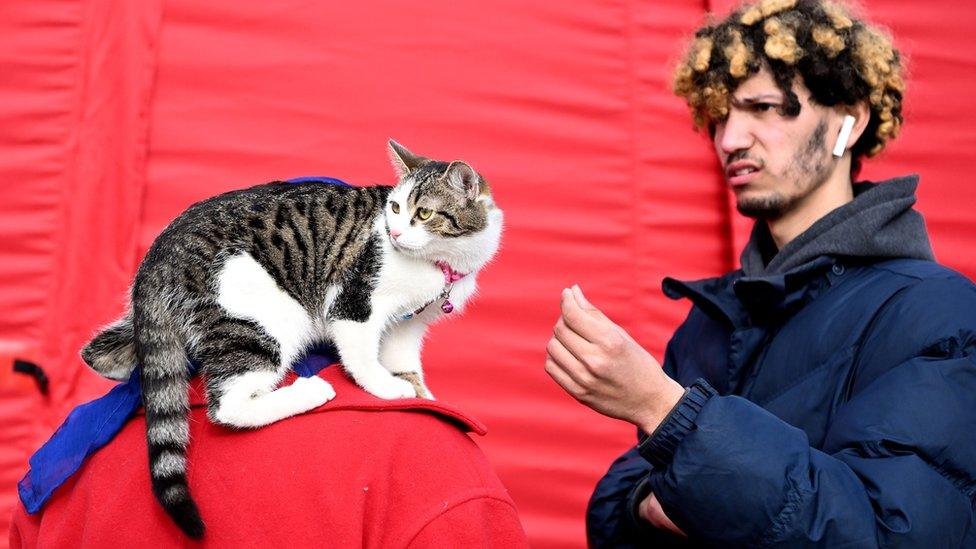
114	117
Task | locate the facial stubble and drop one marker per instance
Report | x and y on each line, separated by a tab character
808	170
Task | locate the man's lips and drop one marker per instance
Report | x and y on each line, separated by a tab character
742	172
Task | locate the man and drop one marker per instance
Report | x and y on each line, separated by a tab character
831	381
357	472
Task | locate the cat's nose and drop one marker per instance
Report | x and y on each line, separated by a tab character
394	234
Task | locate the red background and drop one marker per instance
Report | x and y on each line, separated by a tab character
115	116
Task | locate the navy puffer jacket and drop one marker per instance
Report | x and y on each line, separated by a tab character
832	402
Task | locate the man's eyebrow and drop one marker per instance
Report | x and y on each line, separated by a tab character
753	99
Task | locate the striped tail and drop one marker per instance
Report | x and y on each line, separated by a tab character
165	380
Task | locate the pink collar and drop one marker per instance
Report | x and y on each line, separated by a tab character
450	275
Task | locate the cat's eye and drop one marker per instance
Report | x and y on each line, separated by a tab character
424	213
395	207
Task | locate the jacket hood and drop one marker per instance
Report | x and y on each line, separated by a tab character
879	223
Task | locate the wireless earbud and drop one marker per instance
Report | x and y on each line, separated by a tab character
845	134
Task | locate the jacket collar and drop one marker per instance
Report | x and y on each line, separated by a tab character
749	300
879	223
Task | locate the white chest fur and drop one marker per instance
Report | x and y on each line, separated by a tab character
406	283
246	290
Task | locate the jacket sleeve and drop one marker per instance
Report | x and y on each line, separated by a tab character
611	519
898	467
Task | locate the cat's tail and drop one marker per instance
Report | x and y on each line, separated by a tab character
112	352
165	378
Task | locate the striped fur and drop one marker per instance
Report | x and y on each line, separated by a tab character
243	282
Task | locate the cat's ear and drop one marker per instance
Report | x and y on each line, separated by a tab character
403	160
463	177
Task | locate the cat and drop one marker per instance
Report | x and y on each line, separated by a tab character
242	283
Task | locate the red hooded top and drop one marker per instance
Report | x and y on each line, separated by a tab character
356	472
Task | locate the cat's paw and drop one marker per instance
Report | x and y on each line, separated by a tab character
417	381
313	391
388	387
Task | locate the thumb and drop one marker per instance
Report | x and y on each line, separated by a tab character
581	299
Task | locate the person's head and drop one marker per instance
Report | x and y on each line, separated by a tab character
773	83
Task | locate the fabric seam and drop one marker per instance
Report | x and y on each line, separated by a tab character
793	499
480	495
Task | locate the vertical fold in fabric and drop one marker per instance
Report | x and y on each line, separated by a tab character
101	188
680	207
74	97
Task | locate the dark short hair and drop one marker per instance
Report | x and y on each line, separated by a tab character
842	60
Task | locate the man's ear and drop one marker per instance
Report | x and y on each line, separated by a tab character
463	177
862	115
403	160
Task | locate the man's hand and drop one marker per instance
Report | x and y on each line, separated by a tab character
600	365
650	510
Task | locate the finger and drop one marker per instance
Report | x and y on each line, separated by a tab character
584	303
644	509
563	380
568	362
586	323
652	511
595	328
581	299
574	343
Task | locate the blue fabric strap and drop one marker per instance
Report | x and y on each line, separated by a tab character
318	179
86	429
92	425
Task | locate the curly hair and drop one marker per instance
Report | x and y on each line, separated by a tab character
841	60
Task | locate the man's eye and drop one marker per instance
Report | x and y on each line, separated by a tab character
395	207
423	214
763	107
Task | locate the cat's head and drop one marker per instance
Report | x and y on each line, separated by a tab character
441	211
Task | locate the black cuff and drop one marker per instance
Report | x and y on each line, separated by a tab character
637	495
658	449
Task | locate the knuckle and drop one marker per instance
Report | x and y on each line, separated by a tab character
560	327
571	314
612	342
568	318
552	346
645	509
580	393
588	381
597	363
553	370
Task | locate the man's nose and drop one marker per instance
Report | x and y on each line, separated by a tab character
733	134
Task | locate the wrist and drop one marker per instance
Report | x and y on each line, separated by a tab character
664	402
659	447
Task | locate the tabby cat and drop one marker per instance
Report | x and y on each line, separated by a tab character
244	282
